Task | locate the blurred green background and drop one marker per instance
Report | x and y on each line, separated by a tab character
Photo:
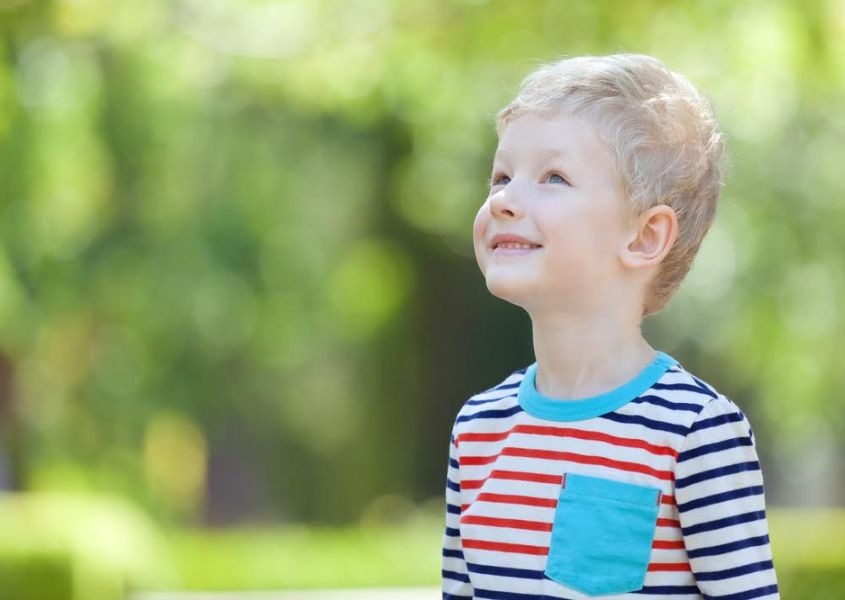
239	306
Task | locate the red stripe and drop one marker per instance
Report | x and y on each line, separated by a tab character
512	475
668	523
669	567
515	499
544	526
485	437
544	550
668	499
532	500
668	544
572	457
503	547
512	523
570	432
477	460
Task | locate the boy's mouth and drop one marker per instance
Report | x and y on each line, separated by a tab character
515	246
514	249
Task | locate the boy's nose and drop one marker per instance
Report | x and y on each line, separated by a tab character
506	203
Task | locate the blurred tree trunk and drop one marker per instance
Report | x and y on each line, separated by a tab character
12	471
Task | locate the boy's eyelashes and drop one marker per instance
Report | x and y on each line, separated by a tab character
496	179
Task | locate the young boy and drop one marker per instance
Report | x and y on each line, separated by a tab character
605	468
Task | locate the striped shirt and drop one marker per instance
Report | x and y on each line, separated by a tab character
664	457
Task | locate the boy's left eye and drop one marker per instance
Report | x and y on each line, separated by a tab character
562	180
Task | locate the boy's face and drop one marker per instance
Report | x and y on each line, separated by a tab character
552	184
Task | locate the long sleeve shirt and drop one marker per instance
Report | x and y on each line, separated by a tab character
653	489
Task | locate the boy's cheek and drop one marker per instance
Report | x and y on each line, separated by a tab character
479	239
479	229
478	223
480	257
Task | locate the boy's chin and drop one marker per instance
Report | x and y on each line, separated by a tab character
509	291
533	297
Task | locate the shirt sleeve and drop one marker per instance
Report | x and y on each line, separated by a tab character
722	508
455	578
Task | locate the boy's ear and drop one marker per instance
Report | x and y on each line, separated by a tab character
654	232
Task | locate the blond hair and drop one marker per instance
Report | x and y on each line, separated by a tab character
662	132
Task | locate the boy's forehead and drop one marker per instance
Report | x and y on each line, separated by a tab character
540	136
541	152
566	137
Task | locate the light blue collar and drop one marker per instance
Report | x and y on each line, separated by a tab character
554	409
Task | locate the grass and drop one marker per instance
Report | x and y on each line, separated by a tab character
309	558
103	543
305	557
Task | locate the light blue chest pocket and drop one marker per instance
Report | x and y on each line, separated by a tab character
602	535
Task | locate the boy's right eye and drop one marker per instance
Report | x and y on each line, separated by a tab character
497	180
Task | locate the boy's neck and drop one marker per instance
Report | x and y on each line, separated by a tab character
579	356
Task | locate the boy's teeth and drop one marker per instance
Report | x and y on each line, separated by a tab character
515	245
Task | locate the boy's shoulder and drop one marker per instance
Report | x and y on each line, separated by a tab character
499	400
691	399
711	406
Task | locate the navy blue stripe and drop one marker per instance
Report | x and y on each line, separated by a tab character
755	515
452	485
505	571
456	576
650	423
717	472
731	547
753	490
749	595
489	400
453	463
451	508
492	414
686	387
723	419
536	575
714	447
453	553
495	595
704	387
448	596
453	532
658	401
764	565
662	590
668	590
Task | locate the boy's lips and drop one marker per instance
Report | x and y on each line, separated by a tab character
510	239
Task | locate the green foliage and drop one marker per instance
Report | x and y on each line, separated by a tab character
809	552
71	546
250	222
37	575
814	583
